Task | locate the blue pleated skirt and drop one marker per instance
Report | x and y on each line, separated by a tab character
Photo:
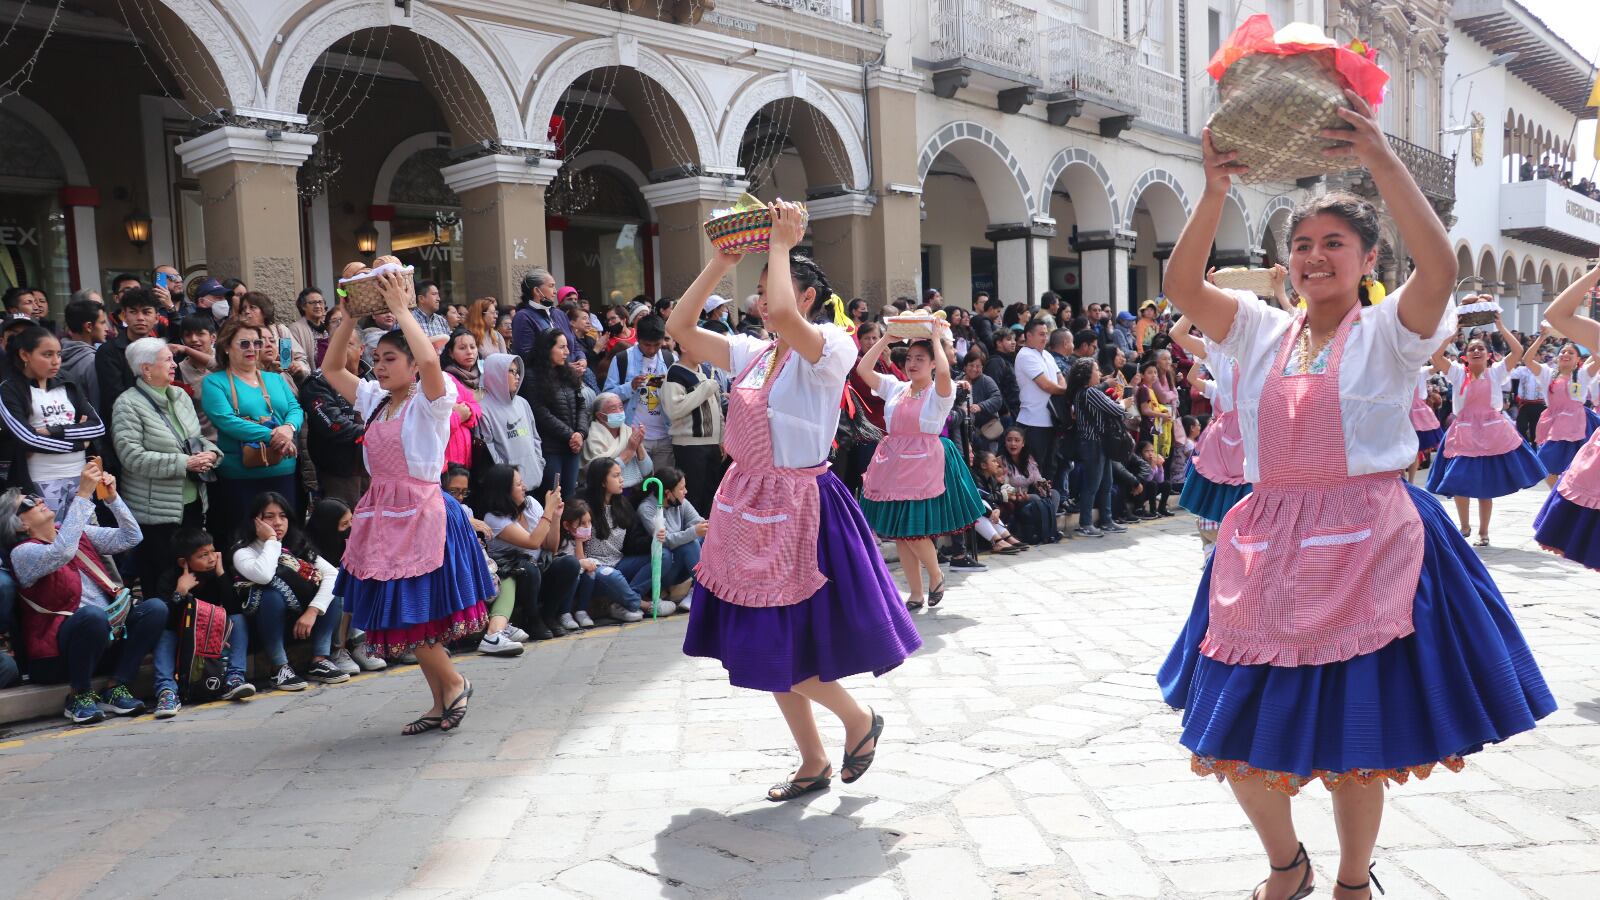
1484	477
1464	679
953	509
1430	439
1555	456
1207	499
1569	529
449	602
856	623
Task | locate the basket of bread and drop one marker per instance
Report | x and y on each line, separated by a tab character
918	325
360	293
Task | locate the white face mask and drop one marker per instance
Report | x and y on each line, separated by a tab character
219	309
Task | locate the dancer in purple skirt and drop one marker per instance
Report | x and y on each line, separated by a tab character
791	593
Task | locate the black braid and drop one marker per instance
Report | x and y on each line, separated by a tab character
807	274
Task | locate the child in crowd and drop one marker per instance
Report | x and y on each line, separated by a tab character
199	578
526	534
577	530
1153	480
327	531
278	576
679	527
1183	439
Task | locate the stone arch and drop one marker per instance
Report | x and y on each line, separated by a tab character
624	51
235	66
1547	277
797	85
611	160
1562	279
1234	231
1169	209
1094	197
39	119
403	151
1464	268
1488	268
340	18
1530	274
1001	181
1275	215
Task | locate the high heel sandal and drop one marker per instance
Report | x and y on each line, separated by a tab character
457	710
1305	888
799	786
935	596
856	763
1371	882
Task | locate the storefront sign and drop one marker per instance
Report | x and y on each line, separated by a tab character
727	21
19	236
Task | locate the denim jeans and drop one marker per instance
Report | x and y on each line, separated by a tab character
676	565
272	626
164	659
561	470
612	587
85	638
8	598
1094	488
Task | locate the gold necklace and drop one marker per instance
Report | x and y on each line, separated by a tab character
1306	354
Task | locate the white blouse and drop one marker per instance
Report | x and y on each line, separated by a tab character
1377	379
803	406
1578	388
1498	379
1219	388
935	409
424	426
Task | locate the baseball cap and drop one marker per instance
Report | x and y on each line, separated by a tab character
210	287
1125	316
714	301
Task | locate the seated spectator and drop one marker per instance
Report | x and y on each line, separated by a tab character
506	420
693	402
257	416
327	532
1035	521
1022	472
10	673
73	611
460	359
526	535
612	515
49	423
199	566
280	578
610	437
500	637
577	530
255	309
166	463
679	527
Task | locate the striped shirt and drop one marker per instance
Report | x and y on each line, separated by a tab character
1096	413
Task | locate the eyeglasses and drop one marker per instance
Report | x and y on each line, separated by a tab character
29	502
249	344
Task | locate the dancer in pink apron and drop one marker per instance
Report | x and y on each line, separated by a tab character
1569	522
1343	632
1565	423
917	486
791	594
1483	456
1424	421
1215	480
414	575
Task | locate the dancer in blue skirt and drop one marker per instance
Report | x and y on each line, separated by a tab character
1215	479
1569	523
1343	632
791	594
1565	423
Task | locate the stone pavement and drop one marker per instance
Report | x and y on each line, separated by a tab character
1027	755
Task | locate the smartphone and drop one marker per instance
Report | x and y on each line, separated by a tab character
161	280
100	491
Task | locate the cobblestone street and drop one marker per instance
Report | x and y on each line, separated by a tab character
1027	755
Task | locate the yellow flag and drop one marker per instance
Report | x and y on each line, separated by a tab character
1594	93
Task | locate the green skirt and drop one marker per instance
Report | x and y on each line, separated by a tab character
954	509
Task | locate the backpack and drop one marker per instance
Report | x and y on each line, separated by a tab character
203	631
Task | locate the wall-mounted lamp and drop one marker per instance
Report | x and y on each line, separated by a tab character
137	227
367	240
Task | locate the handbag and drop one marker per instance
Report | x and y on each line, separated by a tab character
187	446
255	454
991	430
119	600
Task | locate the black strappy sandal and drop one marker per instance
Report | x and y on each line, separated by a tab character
1371	882
1305	888
913	604
456	711
934	598
800	786
856	763
422	725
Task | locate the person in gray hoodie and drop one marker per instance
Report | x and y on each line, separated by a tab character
87	327
506	424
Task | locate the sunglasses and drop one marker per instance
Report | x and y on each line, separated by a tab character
29	502
250	345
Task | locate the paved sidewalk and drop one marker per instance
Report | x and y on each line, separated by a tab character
1027	755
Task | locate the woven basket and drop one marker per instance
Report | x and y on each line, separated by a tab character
363	298
1258	281
1272	110
1475	319
916	328
742	232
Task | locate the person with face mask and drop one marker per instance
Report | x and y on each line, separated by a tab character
610	435
211	297
636	374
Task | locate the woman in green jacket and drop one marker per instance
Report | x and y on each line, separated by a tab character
257	415
165	459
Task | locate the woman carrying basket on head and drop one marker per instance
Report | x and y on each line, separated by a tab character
1343	631
1569	523
1566	423
792	594
414	575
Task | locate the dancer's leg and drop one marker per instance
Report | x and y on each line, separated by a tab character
796	709
443	679
832	695
1485	508
1268	811
1357	814
928	556
912	566
1463	514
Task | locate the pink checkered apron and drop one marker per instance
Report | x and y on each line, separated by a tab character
398	527
1563	418
1581	482
1479	429
1315	566
1423	418
761	543
1219	453
908	463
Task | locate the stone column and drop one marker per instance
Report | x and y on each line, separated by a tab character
1104	258
681	207
891	263
502	220
1162	253
840	241
252	207
83	249
1022	261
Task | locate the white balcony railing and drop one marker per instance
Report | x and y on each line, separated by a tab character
1084	60
837	10
996	32
1161	98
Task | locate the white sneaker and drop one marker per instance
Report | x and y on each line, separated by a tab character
358	654
667	608
568	622
623	614
515	633
498	644
583	619
683	605
345	663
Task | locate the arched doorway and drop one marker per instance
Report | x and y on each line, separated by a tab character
426	230
1082	201
973	195
1158	212
34	250
606	246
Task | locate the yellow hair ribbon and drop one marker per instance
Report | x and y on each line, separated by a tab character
1375	291
840	317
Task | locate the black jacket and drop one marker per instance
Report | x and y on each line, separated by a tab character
999	368
557	415
333	429
16	407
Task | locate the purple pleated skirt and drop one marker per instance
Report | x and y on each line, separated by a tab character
856	623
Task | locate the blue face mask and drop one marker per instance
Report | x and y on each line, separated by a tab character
616	420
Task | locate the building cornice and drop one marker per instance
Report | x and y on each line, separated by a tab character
693	189
231	144
499	168
840	205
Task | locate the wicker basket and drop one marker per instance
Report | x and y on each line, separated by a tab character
1272	110
1239	278
1477	314
915	328
749	231
363	298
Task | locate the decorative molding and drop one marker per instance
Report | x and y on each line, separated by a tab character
1090	215
958	132
600	53
1274	206
520	51
717	83
233	61
794	84
693	189
888	79
841	205
1236	200
499	168
245	145
1155	176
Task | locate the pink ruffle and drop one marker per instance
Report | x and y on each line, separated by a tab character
758	595
1581	494
1245	649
